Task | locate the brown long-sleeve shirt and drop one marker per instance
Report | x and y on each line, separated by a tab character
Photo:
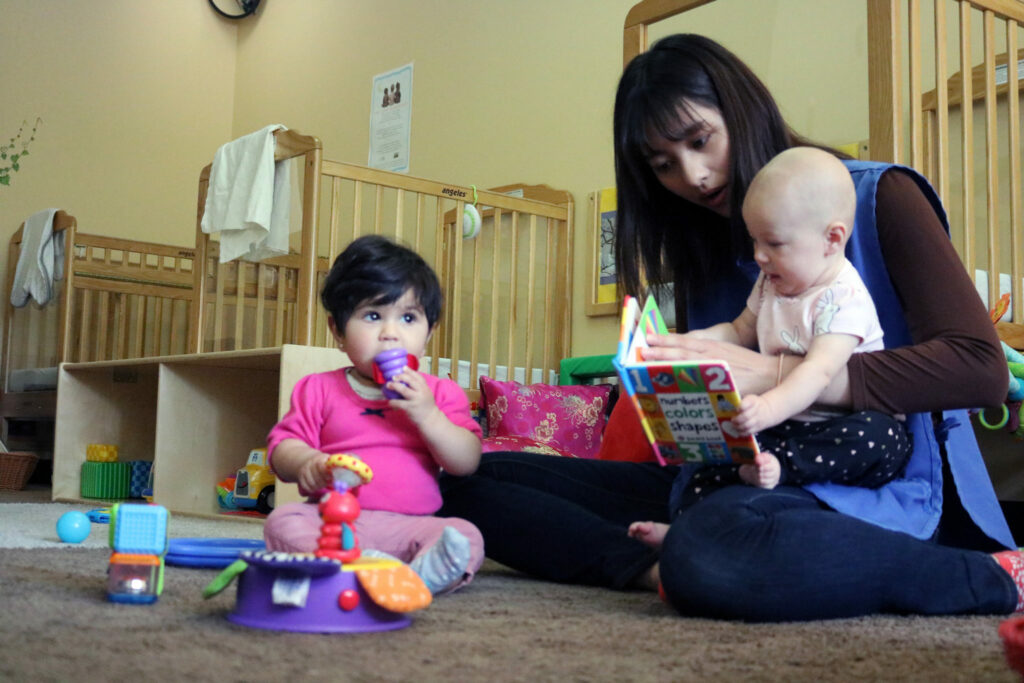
956	360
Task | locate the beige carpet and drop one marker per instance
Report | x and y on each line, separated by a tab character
55	624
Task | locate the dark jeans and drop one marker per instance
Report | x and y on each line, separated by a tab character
742	553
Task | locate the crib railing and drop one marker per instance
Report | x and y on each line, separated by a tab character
506	291
920	119
118	299
971	154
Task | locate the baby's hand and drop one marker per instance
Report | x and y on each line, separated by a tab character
754	415
417	399
314	474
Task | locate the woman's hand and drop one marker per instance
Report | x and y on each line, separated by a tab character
754	373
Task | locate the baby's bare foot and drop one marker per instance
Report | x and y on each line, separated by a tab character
651	533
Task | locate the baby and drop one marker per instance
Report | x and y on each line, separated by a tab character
808	301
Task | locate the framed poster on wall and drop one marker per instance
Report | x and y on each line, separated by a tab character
602	295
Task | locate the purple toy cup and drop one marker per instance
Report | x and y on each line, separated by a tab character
390	363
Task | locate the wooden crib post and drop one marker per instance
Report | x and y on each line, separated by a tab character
310	225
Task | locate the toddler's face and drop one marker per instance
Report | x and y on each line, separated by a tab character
373	328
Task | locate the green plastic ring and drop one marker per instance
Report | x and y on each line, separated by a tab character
1002	422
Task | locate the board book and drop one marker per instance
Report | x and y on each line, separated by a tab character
685	407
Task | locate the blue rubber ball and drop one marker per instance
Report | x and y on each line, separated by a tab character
73	527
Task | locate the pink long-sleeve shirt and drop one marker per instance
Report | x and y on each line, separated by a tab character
328	415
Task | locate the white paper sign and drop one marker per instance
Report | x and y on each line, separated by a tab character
391	120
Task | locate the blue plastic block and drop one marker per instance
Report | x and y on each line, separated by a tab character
138	528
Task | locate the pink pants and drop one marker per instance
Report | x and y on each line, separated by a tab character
295	528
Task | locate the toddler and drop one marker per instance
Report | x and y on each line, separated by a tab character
380	296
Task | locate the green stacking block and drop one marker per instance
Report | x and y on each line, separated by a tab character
109	480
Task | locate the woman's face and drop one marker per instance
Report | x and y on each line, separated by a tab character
692	161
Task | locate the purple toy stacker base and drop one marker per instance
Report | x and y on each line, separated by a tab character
324	610
334	589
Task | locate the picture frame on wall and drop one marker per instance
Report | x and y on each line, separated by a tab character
602	295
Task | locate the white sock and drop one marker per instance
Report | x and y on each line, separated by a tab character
443	565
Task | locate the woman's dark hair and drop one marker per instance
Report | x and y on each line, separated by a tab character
374	269
660	236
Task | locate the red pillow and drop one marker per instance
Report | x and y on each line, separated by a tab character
624	437
569	419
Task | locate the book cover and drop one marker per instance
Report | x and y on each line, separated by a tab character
685	407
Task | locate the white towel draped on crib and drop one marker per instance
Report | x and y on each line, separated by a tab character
40	262
248	198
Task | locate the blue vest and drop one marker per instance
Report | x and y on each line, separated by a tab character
912	504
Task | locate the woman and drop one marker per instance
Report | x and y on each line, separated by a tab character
692	126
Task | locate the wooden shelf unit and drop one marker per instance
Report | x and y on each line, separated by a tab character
195	417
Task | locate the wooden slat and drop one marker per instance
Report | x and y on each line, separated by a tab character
967	250
513	299
357	210
103	315
455	302
85	340
531	284
549	303
940	177
218	306
262	273
139	328
420	208
991	158
439	240
306	296
884	81
1013	138
914	66
474	339
492	351
239	325
377	214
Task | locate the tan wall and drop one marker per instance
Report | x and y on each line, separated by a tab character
136	96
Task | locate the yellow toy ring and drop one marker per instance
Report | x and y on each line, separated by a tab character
999	425
352	464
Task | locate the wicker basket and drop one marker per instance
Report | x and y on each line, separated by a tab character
16	468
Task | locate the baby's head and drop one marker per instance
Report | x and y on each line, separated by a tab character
799	211
373	269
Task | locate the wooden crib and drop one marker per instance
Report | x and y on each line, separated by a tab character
506	307
919	120
118	299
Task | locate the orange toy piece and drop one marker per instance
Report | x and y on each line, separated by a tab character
1000	308
396	588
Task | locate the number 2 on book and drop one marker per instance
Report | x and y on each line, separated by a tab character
717	379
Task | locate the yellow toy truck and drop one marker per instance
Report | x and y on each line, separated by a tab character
254	483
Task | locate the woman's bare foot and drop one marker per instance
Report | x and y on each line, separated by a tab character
650	580
651	533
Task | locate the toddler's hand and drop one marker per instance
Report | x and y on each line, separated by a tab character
417	399
314	474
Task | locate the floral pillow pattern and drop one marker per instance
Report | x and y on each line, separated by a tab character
568	419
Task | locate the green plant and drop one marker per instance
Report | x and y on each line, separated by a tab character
12	153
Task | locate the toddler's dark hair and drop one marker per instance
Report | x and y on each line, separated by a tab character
374	269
